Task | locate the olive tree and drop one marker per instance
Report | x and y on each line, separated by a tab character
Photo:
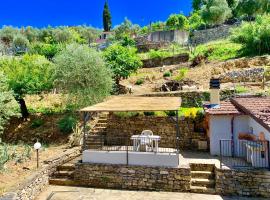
216	11
8	105
81	73
29	74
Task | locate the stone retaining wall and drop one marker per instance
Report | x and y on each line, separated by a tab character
243	182
162	126
34	184
159	62
245	75
207	35
133	177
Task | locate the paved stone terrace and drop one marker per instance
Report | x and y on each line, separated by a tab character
79	193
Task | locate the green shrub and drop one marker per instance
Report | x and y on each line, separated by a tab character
167	74
37	123
126	114
241	89
255	36
181	74
149	113
66	124
139	81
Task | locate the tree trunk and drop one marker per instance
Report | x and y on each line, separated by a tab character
24	110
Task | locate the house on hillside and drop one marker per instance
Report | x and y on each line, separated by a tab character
238	125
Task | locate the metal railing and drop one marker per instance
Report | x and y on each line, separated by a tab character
146	144
244	154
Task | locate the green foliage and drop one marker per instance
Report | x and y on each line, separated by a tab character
47	50
139	81
167	74
126	114
81	73
30	74
149	113
20	43
126	30
177	22
195	21
181	74
158	26
241	89
8	105
107	19
197	4
67	124
254	36
7	34
219	50
248	7
122	60
158	54
215	11
37	123
127	41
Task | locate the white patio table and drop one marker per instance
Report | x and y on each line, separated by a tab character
139	139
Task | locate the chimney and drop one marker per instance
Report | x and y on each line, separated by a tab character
214	93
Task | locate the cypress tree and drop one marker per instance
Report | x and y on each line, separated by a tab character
107	19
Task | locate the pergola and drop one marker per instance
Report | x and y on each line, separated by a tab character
135	104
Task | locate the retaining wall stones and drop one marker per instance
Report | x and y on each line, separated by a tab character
162	126
243	182
159	62
133	177
245	75
207	35
34	184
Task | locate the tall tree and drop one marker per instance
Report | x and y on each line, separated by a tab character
216	12
249	8
107	19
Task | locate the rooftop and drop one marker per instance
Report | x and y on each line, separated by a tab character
136	103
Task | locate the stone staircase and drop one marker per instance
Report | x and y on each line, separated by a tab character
64	175
99	129
202	178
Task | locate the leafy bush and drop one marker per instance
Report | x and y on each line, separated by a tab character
47	50
81	73
67	124
37	123
158	54
255	36
139	81
167	74
181	74
122	60
195	21
177	22
126	114
149	113
241	89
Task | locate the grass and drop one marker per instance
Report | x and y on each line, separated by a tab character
219	50
181	74
241	89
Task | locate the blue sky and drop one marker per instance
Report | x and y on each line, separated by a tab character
40	13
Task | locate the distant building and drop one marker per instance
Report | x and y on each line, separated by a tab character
103	37
177	36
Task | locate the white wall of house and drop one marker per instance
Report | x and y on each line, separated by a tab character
257	128
220	129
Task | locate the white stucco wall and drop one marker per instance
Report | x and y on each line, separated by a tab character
220	129
134	158
257	128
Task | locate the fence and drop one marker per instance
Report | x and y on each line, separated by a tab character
135	143
244	154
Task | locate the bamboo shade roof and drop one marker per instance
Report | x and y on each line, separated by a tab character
136	103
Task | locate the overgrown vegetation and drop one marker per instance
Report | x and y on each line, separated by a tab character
181	74
67	124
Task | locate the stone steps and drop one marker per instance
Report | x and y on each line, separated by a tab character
62	182
205	190
202	178
202	174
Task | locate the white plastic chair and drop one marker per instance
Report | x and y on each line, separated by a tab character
147	141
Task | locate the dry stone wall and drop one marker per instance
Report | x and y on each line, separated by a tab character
133	177
243	182
162	126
